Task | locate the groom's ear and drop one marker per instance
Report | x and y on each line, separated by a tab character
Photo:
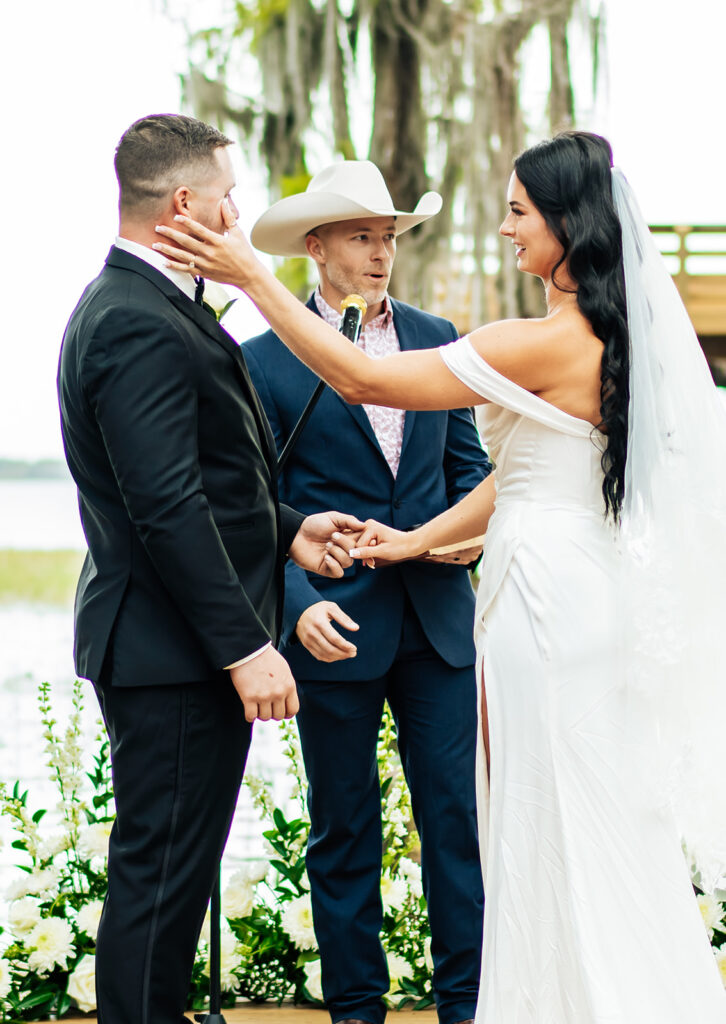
180	200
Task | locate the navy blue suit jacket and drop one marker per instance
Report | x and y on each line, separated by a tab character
338	464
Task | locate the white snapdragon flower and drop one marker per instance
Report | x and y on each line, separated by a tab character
313	979
238	898
93	840
42	881
398	967
721	963
393	893
297	920
712	913
51	942
82	984
89	917
5	978
23	916
411	871
54	845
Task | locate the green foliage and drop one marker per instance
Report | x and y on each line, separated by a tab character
39	577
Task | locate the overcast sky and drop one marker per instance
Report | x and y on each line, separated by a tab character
74	75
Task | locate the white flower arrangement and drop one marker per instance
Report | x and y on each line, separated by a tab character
268	946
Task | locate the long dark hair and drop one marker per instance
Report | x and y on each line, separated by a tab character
568	179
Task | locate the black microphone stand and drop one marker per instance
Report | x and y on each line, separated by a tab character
350	328
215	1015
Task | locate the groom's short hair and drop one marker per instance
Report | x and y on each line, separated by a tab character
155	155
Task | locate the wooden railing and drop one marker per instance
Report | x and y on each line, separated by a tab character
697	269
695	255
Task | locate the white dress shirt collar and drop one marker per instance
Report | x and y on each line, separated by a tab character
157	260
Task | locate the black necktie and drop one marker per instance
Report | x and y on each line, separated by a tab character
199	290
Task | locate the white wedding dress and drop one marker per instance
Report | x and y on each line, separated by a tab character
590	916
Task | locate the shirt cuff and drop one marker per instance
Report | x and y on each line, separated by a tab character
243	661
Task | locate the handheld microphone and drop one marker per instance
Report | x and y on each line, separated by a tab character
353	308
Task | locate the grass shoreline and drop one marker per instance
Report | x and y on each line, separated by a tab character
39	577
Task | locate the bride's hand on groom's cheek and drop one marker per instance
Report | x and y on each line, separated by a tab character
196	250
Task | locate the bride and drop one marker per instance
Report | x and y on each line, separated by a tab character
602	594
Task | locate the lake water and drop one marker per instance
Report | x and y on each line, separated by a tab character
36	645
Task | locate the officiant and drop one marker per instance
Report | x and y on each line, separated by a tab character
402	633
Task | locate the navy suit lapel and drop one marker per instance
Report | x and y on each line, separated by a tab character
209	325
407	332
356	411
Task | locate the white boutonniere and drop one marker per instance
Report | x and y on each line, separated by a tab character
217	299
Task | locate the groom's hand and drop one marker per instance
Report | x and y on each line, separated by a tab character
314	548
266	687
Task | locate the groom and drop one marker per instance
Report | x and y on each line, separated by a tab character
179	602
401	634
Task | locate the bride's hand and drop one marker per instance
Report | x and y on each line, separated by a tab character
227	258
383	545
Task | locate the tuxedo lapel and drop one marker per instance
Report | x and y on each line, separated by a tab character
407	332
207	323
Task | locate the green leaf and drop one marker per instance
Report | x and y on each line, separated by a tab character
38	816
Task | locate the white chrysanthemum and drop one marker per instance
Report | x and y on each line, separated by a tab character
393	893
23	916
297	920
229	960
89	917
238	898
721	963
42	882
428	959
313	979
54	845
5	978
93	840
17	889
712	913
51	942
398	967
82	983
411	871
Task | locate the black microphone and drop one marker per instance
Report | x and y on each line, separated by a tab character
353	308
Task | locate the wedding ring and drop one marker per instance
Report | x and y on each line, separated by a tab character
191	263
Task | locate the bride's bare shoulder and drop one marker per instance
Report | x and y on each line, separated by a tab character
533	353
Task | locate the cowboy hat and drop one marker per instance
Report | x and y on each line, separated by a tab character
347	190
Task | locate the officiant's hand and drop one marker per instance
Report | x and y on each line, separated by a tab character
318	636
266	687
323	542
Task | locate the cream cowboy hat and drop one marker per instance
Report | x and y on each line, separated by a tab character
344	191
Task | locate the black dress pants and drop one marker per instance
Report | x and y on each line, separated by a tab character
178	753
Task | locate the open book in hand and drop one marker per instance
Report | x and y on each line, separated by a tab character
461	553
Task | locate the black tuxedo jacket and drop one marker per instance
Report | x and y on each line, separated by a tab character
175	467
